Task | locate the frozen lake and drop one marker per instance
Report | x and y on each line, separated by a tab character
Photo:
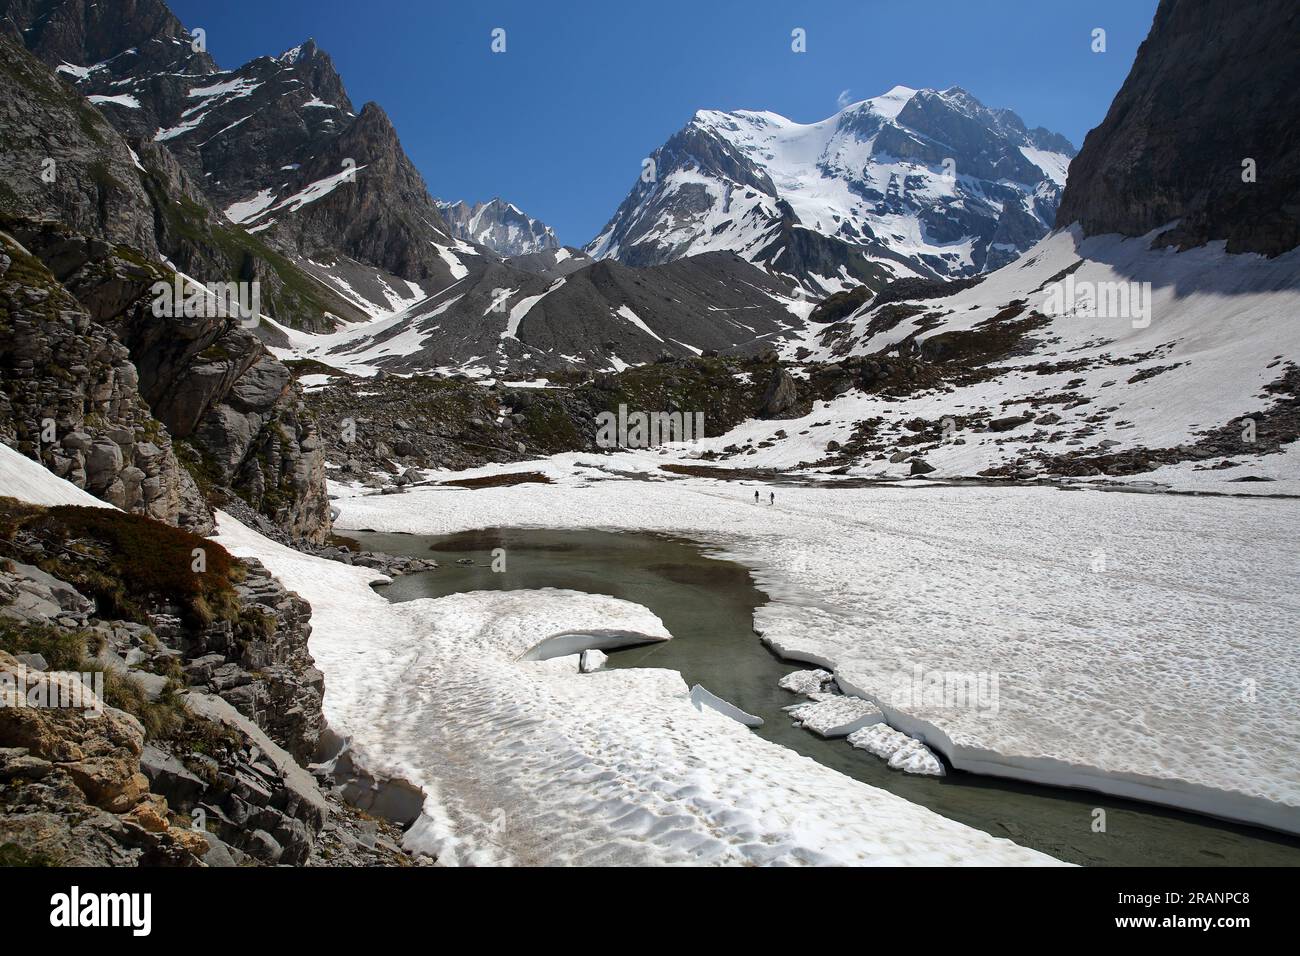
708	603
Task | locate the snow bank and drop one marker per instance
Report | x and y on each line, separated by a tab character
1219	328
122	99
29	481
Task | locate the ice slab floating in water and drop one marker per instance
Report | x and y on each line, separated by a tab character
702	698
575	642
806	682
903	752
837	716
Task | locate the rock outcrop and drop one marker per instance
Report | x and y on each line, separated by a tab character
781	399
213	706
137	381
71	789
1204	105
208	380
70	398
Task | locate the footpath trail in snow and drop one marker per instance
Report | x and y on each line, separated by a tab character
1141	645
532	762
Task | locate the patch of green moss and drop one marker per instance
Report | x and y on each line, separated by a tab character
208	737
216	352
201	468
137	258
301	367
103	178
160	718
839	305
25	269
707	385
62	650
128	562
256	625
73	651
11	854
26	71
549	426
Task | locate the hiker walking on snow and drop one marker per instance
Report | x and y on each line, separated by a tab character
772	500
755	496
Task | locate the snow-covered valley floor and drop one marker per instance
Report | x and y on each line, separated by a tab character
1141	645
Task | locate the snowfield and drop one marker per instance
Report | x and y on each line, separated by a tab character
1216	329
532	762
1140	645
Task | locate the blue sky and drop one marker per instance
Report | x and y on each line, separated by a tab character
559	123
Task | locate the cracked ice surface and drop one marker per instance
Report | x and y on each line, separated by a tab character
532	762
835	716
806	682
1170	674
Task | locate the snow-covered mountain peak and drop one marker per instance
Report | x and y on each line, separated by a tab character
888	104
500	226
910	182
303	51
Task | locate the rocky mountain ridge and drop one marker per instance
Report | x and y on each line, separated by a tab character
910	183
500	226
275	145
507	322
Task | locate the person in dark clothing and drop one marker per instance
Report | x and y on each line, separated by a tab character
772	499
755	496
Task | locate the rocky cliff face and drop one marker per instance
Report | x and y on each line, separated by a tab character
1213	85
211	705
63	160
86	351
209	381
86	31
276	144
70	397
382	214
